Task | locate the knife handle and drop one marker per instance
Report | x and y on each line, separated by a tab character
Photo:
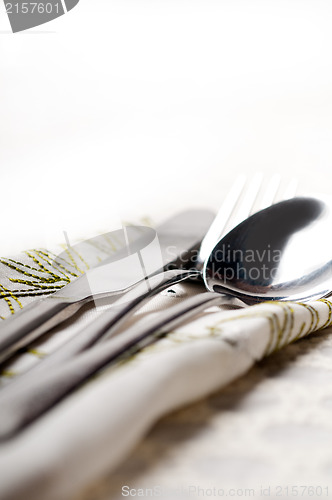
32	321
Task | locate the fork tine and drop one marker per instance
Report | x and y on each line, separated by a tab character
269	194
221	220
244	206
244	198
287	190
290	190
273	191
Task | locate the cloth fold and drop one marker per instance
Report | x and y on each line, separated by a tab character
92	431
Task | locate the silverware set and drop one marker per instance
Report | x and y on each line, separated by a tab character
264	244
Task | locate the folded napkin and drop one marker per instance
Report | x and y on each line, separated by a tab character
93	430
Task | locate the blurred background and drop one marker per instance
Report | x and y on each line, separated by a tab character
130	108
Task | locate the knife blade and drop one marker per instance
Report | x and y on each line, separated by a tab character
178	236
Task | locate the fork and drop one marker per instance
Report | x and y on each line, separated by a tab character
61	375
254	196
243	199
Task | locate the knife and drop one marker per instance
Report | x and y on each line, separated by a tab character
177	238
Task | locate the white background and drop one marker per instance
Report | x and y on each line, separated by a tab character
127	108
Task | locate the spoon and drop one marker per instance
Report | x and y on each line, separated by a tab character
280	253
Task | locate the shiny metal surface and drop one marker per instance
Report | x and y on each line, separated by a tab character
280	253
177	236
14	399
297	229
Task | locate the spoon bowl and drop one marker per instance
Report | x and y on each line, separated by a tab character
279	253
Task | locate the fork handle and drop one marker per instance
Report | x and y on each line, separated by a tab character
107	323
32	321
